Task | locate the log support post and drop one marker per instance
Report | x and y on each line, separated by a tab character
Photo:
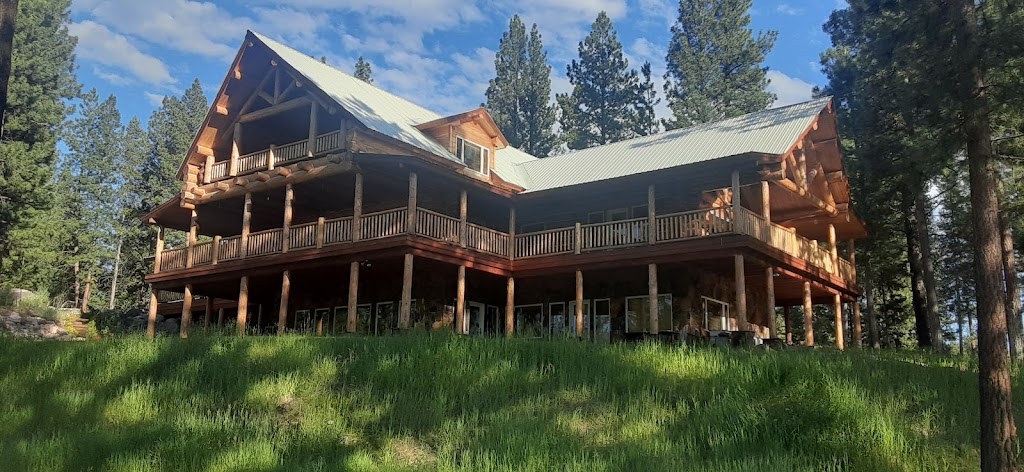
311	145
271	157
510	307
243	242
357	209
652	297
220	317
410	225
578	238
159	251
208	170
289	197
837	306
579	304
512	233
353	296
236	148
833	248
741	292
215	250
282	314
460	301
190	242
808	315
463	220
405	307
736	201
652	236
243	305
154	303
769	275
186	312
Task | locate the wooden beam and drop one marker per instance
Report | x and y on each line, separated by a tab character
236	149
353	296
275	109
741	292
186	312
808	316
357	209
510	307
158	252
837	306
579	304
405	306
736	195
243	305
266	97
246	220
460	300
282	312
652	298
512	233
410	224
311	143
766	201
154	303
463	222
652	233
289	197
833	248
815	201
769	275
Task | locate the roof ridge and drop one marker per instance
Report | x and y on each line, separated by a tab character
276	43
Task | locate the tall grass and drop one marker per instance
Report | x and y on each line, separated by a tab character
440	402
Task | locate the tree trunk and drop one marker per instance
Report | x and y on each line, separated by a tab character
998	429
959	320
88	292
78	282
915	258
1013	321
113	277
924	241
869	295
8	15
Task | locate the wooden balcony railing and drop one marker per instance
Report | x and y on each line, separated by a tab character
286	154
576	239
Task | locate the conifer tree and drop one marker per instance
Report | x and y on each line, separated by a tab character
714	63
42	81
645	122
602	106
519	96
363	71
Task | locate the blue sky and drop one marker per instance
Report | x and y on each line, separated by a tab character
438	53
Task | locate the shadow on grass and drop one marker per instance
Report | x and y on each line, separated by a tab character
426	402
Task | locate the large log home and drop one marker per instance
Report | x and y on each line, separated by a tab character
315	202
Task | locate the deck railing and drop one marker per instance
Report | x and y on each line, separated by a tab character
437	226
264	242
382	224
614	234
580	238
302	236
338	230
487	240
546	243
285	154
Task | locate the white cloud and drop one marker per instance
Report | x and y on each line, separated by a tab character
97	43
154	99
788	90
787	9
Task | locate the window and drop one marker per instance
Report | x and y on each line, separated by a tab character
595	217
618	214
558	323
475	156
603	320
716	315
640	211
637	309
529	320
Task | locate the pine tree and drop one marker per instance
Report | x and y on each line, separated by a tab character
645	122
519	96
601	107
42	81
136	237
363	71
714	63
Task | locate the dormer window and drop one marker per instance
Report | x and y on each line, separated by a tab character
472	154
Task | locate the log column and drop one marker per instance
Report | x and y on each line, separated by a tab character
154	302
186	312
741	292
357	209
510	307
353	296
808	316
406	305
858	334
243	305
190	243
410	224
236	149
769	275
460	301
652	297
785	321
579	303
311	146
735	200
511	233
243	242
833	248
282	314
837	306
652	235
208	314
463	221
159	251
289	197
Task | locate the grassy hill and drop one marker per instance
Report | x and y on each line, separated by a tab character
417	402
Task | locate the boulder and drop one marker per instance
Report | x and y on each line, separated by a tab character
50	331
14	317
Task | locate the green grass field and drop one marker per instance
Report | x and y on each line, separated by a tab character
424	403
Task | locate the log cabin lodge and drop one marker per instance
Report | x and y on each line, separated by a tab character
315	202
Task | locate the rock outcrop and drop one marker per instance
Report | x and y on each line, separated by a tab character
34	327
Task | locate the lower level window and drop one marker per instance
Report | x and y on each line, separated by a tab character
638	313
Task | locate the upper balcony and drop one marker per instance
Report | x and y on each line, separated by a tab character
567	241
275	156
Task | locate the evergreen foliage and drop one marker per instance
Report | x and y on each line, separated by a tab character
363	71
714	63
